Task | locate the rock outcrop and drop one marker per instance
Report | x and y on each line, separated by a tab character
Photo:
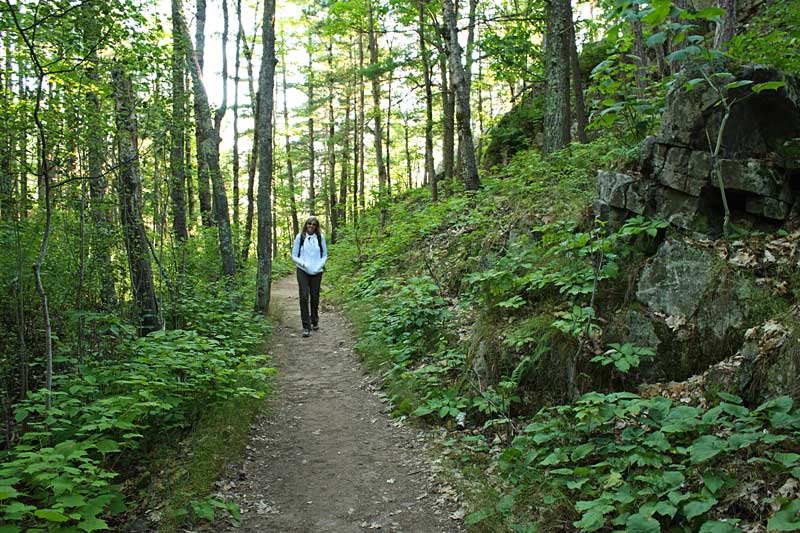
759	161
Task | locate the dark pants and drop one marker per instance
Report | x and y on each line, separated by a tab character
309	285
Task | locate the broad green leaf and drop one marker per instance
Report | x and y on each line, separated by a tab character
107	446
591	521
51	515
787	519
713	482
718	526
582	451
657	39
638	523
93	524
738	83
768	86
479	516
730	398
666	509
705	447
698	507
506	503
10	529
659	12
7	491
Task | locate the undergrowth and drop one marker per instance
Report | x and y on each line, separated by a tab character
483	314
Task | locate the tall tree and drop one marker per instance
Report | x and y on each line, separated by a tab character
130	197
203	171
577	78
461	90
252	160
266	88
312	192
236	79
376	111
556	73
210	149
430	172
332	199
289	164
178	127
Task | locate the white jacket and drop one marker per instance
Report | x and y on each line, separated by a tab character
309	259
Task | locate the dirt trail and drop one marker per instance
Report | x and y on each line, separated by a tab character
326	456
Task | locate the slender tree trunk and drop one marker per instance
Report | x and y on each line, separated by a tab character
178	127
376	102
726	28
344	179
356	147
312	193
130	196
203	172
389	131
556	68
408	151
577	79
236	80
362	122
210	149
332	199
266	88
430	171
289	163
471	178
448	124
253	157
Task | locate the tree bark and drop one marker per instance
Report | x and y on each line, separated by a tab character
253	157
332	199
376	112
461	90
203	172
178	127
312	193
130	197
430	171
210	150
266	88
556	72
577	80
362	122
289	164
448	124
236	79
726	28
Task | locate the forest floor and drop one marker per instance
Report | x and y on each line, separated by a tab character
325	455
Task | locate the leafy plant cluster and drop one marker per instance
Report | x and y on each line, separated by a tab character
621	462
61	475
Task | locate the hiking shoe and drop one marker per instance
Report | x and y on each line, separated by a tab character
306	332
315	327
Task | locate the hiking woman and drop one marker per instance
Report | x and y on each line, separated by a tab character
309	254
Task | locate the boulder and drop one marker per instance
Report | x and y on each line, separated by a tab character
759	162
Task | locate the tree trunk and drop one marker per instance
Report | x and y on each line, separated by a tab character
726	28
253	157
556	72
178	127
430	171
362	122
289	165
236	79
376	113
389	131
408	152
130	198
266	87
345	178
210	150
203	172
332	200
448	124
312	193
471	178
577	79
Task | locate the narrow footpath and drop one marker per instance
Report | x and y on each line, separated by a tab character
325	455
